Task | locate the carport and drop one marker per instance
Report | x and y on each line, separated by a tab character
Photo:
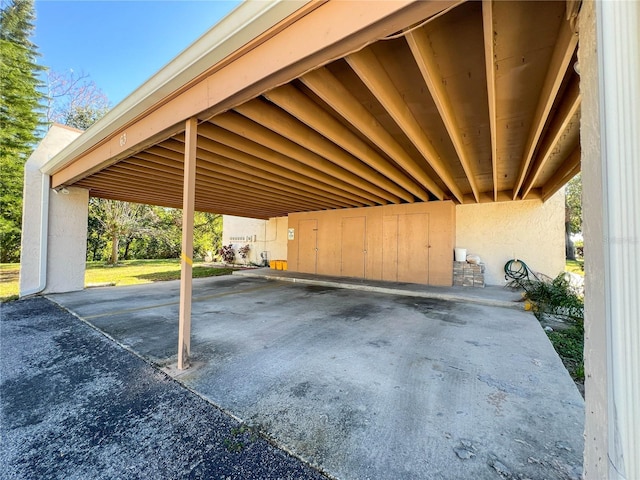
294	106
391	104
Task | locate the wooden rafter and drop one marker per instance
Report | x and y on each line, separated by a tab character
283	124
560	60
304	109
569	168
327	87
259	134
489	56
418	41
234	168
281	162
560	122
373	75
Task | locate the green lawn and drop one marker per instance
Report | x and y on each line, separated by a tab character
128	272
575	266
9	273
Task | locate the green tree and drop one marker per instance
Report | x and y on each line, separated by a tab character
573	213
121	220
20	116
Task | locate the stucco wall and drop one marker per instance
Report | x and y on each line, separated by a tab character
66	223
68	216
595	348
530	231
261	235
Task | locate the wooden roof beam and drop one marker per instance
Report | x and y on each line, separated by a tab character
237	169
418	41
502	196
367	66
238	179
273	158
560	60
294	102
489	57
324	84
148	197
288	127
561	121
244	127
268	169
569	168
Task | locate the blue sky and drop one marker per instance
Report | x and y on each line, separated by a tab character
120	44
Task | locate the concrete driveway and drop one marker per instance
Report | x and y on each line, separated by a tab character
364	385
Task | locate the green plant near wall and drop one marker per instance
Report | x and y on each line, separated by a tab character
558	299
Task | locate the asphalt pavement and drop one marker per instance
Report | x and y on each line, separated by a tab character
75	405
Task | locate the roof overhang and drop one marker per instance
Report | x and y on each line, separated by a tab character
318	105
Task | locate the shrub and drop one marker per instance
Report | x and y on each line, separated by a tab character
557	298
244	251
227	253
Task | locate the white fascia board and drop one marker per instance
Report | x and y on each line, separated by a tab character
245	23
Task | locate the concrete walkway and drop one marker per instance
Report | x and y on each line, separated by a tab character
363	384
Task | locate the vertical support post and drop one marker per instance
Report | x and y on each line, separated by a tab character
610	73
618	56
188	204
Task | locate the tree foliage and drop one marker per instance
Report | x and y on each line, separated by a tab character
573	202
20	106
573	214
134	231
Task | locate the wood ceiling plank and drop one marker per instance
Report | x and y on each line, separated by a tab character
294	102
324	84
367	66
559	124
418	41
288	127
244	127
271	157
560	62
489	56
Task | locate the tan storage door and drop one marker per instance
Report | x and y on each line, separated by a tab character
390	248
308	246
413	248
353	251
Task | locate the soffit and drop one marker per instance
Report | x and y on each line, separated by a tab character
479	104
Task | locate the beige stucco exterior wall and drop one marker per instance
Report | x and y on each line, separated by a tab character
66	225
595	349
67	251
261	235
529	230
